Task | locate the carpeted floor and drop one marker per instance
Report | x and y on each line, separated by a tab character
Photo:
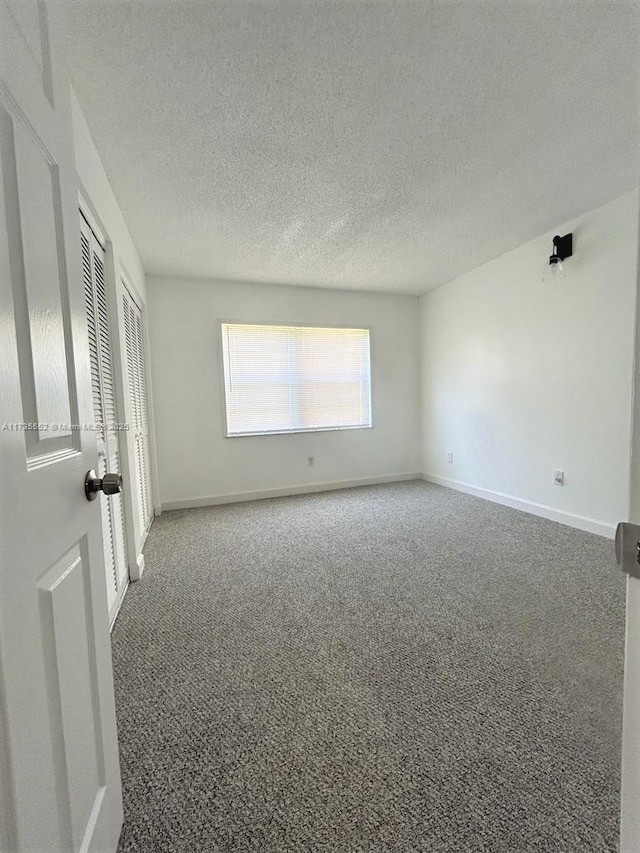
394	668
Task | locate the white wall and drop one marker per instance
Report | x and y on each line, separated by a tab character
95	186
197	464
520	377
123	261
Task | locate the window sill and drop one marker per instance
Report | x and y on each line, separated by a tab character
296	431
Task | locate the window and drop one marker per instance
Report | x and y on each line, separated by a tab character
295	379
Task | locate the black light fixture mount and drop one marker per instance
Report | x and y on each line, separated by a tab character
562	249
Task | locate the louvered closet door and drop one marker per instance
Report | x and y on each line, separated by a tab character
136	374
104	411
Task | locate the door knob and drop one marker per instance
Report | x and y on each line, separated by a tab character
628	548
110	484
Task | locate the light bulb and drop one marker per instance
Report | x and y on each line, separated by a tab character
553	270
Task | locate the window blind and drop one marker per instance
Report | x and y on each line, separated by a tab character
295	378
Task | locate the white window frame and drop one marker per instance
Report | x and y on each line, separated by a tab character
288	324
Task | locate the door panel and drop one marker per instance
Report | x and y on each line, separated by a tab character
59	773
40	232
34	247
67	638
137	388
104	409
111	435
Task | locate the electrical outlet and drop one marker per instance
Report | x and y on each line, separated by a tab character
311	461
450	457
558	477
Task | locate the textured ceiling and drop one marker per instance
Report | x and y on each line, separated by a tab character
369	145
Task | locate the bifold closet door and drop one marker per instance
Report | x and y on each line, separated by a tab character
104	410
136	374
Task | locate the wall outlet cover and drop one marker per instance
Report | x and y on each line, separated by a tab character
558	477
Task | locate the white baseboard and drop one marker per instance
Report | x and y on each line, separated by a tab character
590	525
143	539
136	570
115	615
287	491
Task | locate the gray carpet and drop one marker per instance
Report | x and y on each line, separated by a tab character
392	668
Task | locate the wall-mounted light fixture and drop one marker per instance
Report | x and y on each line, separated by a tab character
562	249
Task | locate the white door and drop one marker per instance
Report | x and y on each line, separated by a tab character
630	812
630	824
59	772
104	412
137	386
